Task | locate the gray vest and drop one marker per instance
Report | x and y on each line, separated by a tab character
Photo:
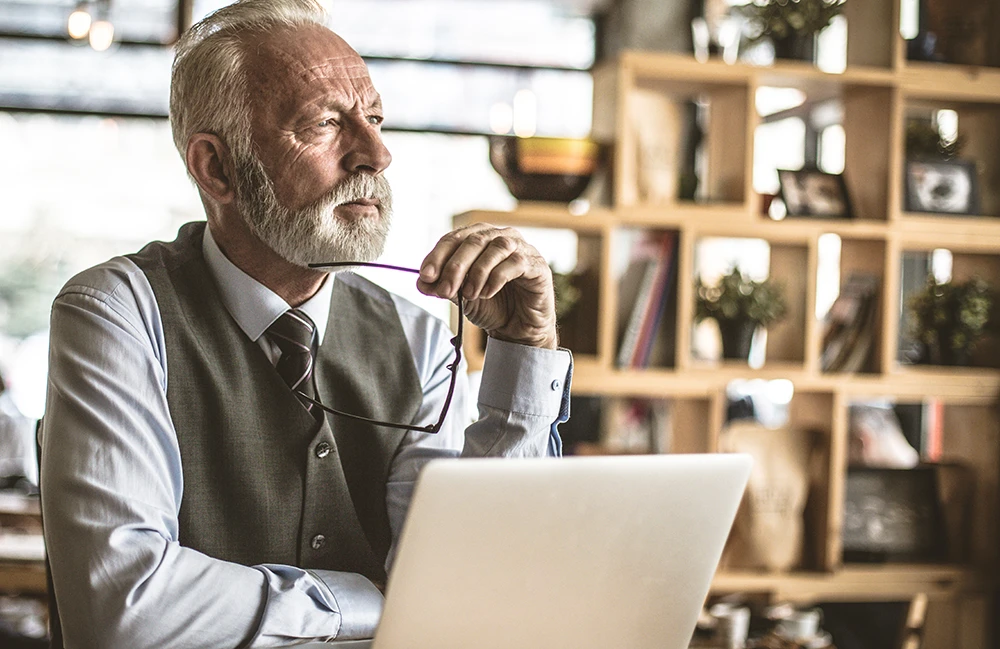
263	481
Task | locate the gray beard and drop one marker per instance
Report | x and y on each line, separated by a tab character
314	234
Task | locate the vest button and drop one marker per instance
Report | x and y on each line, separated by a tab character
318	542
322	450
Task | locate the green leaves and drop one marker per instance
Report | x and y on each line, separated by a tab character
952	315
736	297
780	19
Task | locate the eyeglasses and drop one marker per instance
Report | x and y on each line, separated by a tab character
456	342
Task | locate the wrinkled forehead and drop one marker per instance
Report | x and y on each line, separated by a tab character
299	56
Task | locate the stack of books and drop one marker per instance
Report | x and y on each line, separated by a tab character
645	291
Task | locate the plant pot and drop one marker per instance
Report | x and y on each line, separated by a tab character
944	354
799	47
737	335
940	353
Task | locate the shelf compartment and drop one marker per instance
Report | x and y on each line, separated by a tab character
965	265
802	423
645	276
658	114
786	263
962	443
633	425
865	111
978	124
860	258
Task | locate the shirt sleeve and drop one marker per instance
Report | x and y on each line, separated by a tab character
111	492
523	396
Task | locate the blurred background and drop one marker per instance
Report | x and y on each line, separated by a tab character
90	171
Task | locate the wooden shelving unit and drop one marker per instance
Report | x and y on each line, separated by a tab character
877	92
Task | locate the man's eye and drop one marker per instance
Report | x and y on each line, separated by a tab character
375	120
325	122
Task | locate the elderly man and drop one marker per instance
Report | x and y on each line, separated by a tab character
195	494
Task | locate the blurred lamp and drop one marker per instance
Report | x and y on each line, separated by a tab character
525	113
102	34
78	25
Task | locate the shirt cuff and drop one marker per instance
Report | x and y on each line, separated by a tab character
523	379
359	602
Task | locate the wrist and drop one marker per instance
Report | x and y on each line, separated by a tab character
544	340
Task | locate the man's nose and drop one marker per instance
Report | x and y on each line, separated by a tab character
368	153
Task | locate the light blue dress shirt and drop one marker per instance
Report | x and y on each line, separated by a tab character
112	477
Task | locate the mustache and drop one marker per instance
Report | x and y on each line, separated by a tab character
358	186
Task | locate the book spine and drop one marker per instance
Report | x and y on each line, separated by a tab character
657	303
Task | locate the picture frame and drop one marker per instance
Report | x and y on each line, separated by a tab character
942	187
893	515
813	193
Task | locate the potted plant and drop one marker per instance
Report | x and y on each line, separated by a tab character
791	25
739	305
567	294
949	318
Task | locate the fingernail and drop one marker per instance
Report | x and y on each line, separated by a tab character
427	273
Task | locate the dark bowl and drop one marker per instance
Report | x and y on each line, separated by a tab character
544	168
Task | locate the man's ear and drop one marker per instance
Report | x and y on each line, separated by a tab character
210	163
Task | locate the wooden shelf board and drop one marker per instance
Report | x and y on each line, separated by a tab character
666	67
950	82
854	582
653	384
540	215
23	577
707	219
918	80
659	66
928	231
956	386
684	212
797	230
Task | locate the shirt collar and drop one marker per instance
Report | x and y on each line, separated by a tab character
253	305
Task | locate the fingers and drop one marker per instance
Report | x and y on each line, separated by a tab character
430	268
506	271
478	261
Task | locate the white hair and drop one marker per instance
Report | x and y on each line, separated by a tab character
208	86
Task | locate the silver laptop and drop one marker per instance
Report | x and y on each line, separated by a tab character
581	553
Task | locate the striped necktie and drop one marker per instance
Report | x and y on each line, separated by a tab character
295	335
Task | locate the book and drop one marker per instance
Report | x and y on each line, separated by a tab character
640	294
658	299
849	327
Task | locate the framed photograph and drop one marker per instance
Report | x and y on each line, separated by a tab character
892	515
942	186
810	192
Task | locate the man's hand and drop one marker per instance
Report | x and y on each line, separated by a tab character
506	284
